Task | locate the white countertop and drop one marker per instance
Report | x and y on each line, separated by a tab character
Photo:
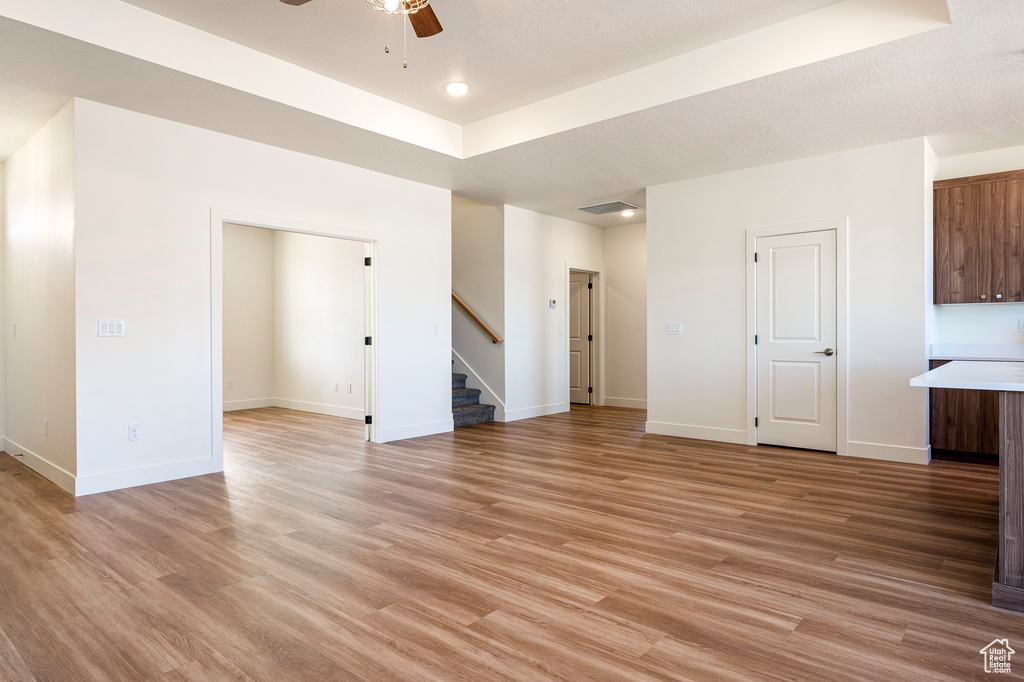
979	376
994	352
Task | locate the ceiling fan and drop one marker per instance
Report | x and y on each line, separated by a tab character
424	21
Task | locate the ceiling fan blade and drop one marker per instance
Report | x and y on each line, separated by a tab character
295	2
425	23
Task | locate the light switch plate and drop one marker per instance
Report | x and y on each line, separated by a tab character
111	327
1020	326
674	328
552	303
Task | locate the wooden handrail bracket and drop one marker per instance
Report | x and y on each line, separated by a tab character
476	318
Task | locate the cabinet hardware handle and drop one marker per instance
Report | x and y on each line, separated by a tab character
828	351
999	295
984	296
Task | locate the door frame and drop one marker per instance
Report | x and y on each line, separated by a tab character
596	326
841	228
219	216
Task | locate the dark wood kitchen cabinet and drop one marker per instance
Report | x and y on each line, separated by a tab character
979	240
963	420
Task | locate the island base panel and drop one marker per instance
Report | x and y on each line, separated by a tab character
1010	565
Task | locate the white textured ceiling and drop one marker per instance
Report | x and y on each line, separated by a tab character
961	86
511	53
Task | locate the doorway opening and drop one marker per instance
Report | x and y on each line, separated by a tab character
294	328
580	337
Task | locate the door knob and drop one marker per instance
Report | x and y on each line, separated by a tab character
828	351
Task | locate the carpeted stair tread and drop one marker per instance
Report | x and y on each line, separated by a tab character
465	396
465	415
466	407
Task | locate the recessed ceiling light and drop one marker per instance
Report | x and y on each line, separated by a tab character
457	88
628	214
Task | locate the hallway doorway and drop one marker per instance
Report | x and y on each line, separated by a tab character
581	337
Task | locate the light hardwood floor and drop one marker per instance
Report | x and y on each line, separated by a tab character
570	547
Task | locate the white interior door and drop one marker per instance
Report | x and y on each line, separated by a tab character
579	338
796	340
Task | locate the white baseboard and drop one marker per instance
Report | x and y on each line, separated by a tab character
252	404
632	403
738	436
891	453
320	408
130	478
416	430
113	480
300	405
537	411
41	466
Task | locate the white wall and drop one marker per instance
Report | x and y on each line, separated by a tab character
478	276
971	322
248	317
146	189
318	324
539	250
697	271
3	302
625	322
39	276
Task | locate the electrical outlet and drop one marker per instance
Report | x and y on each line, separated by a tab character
134	432
46	427
231	383
1020	326
335	386
349	388
437	330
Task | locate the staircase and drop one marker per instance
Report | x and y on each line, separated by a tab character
466	407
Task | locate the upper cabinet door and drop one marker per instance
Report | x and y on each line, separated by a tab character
979	239
1013	242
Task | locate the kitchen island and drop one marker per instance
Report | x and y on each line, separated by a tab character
1008	379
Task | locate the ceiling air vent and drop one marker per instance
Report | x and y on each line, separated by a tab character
608	207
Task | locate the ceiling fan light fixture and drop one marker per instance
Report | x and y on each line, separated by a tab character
398	6
456	88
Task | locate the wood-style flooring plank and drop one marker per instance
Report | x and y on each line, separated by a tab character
569	547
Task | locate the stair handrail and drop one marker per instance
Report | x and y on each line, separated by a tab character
476	318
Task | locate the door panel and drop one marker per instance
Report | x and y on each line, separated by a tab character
796	392
796	321
579	338
796	317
